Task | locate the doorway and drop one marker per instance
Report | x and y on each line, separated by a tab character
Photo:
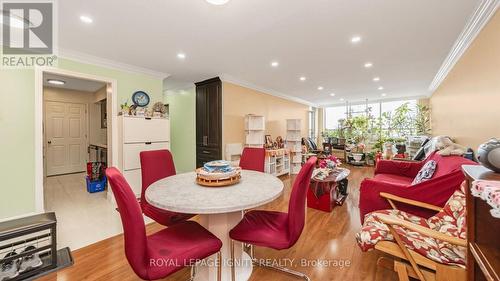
75	130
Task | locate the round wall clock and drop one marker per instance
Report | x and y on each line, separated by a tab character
140	98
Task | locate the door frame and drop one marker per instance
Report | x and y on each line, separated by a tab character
112	108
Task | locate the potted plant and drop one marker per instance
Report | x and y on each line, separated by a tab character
125	108
422	120
402	123
324	136
400	145
358	152
370	158
341	130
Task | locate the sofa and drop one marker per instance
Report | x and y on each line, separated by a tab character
396	177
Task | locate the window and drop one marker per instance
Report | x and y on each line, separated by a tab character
334	113
391	106
332	116
312	123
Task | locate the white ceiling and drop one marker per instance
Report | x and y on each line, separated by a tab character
73	83
406	41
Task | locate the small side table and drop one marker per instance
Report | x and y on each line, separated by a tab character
325	194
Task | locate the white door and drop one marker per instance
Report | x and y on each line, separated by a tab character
65	136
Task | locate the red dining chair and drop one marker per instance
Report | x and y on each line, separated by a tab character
276	230
156	165
253	158
181	244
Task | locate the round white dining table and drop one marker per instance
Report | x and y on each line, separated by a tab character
219	209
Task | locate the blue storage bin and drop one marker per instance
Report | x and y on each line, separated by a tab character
96	186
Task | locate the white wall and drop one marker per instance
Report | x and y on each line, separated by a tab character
97	135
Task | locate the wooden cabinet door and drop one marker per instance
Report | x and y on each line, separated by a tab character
201	116
208	121
214	115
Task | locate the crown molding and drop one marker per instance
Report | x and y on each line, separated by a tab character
246	84
359	101
484	11
90	59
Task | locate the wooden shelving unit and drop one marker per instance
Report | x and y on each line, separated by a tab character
277	162
254	130
294	144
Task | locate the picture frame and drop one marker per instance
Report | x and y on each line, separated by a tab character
269	141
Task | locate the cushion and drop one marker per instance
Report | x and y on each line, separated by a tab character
426	172
450	220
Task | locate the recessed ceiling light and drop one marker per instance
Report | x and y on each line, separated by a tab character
381	88
320	88
368	64
56	82
86	19
376	79
275	64
217	2
181	56
356	39
302	78
341	99
332	94
384	94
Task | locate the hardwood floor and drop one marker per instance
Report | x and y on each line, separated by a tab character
327	237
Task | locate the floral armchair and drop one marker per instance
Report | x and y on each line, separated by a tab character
433	248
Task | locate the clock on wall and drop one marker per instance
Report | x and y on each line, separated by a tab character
140	98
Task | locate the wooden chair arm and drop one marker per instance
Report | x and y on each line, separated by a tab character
422	230
391	197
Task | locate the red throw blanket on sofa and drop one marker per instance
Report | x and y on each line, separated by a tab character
395	177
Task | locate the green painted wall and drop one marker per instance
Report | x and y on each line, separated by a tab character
17	89
17	165
183	128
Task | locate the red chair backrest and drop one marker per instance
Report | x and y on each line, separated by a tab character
253	158
134	230
297	204
155	165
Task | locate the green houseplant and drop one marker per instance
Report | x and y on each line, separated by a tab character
402	123
422	120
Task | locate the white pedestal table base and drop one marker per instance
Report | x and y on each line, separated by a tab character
220	225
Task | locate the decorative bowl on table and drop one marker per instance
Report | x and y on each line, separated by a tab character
218	173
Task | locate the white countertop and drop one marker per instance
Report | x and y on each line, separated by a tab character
181	193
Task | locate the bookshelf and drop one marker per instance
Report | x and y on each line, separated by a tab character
254	130
294	144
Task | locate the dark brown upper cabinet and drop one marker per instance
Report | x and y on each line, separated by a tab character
208	121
